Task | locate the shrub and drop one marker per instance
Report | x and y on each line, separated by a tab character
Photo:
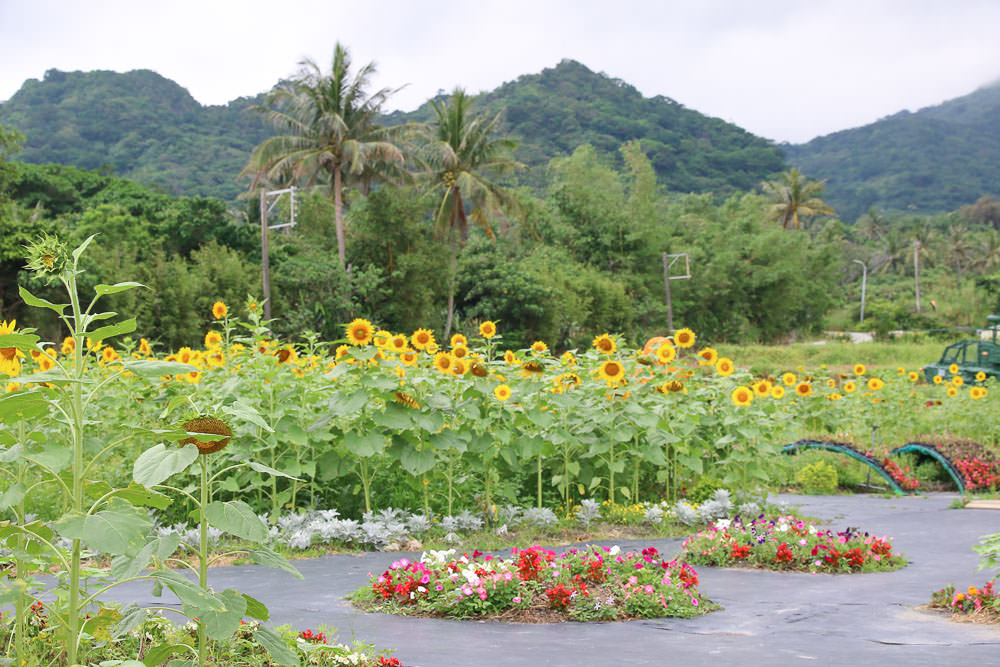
819	477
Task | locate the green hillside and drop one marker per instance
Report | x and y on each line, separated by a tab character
934	160
140	125
148	128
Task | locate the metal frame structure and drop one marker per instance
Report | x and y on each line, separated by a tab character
264	240
667	278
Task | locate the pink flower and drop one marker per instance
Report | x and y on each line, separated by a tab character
648	588
803	542
694	602
633	580
439	587
516	600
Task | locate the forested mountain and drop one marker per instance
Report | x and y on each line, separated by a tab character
552	113
934	160
140	125
147	127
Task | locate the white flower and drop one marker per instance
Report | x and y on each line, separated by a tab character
722	524
615	550
782	528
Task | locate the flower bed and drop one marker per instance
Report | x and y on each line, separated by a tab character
978	465
978	604
537	585
787	543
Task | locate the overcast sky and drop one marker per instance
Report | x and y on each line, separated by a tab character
785	70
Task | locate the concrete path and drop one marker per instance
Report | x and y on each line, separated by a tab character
769	618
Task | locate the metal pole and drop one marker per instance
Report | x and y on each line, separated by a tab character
916	271
264	259
666	282
864	281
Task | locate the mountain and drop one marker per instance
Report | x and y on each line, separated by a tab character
139	124
147	127
934	160
553	112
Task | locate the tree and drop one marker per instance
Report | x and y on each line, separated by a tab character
462	152
328	120
793	196
985	211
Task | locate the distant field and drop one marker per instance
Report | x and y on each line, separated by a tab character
836	356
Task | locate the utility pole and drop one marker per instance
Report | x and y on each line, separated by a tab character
668	261
916	271
264	240
864	281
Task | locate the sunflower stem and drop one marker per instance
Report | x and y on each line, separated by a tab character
203	556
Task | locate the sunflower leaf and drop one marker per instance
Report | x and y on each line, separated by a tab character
156	464
24	342
110	331
276	646
103	289
151	368
39	302
236	518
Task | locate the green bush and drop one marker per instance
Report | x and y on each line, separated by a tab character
819	477
704	489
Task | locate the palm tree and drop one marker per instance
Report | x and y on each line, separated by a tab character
794	196
461	153
329	131
989	251
958	247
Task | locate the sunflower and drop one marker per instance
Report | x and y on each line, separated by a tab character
398	343
207	425
459	367
109	355
341	352
408	357
675	386
442	362
957	381
381	338
460	351
421	338
458	339
953	369
46	363
980	376
68	345
605	344
212	339
216	359
914	376
953	391
742	396
831	383
665	353
502	392
762	388
777	391
568	359
569	380
724	366
859	369
849	386
684	338
511	359
938	379
874	384
478	369
219	310
977	393
900	371
185	355
488	329
611	371
407	400
834	396
532	368
707	356
194	377
538	347
789	379
144	348
803	389
360	332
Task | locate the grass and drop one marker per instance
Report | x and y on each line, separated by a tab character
836	356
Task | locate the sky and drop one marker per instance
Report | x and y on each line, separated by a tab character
784	70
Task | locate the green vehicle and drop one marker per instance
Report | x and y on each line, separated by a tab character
971	357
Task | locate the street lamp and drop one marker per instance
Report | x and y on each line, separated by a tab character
864	282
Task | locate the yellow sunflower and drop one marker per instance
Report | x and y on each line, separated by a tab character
539	347
144	348
68	345
212	339
914	376
957	381
789	379
849	386
10	357
381	338
460	351
742	396
684	338
488	329
442	362
569	380
977	393
762	388
341	352
502	392
874	384
665	353
938	379
459	367
980	376
219	310
398	343
510	358
952	391
109	355
707	356
953	369
360	332
46	363
803	389
421	339
605	344
458	339
611	371
834	396
568	359
859	369
408	357
777	391
724	366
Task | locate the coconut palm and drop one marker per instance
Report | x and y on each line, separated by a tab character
327	120
793	196
462	152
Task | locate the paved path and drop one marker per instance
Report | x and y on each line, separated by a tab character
769	618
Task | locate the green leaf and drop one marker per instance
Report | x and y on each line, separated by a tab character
143	497
12	453
365	445
691	462
150	368
276	646
341	406
260	467
270	558
103	289
256	609
12	496
99	625
158	654
22	405
363	353
83	246
121	663
395	418
158	463
53	455
112	330
132	617
195	601
247	412
220	624
121	529
38	302
126	567
11	590
417	462
237	518
23	342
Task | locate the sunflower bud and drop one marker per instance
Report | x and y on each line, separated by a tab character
479	370
46	256
207	425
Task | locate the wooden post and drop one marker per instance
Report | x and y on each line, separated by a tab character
916	270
